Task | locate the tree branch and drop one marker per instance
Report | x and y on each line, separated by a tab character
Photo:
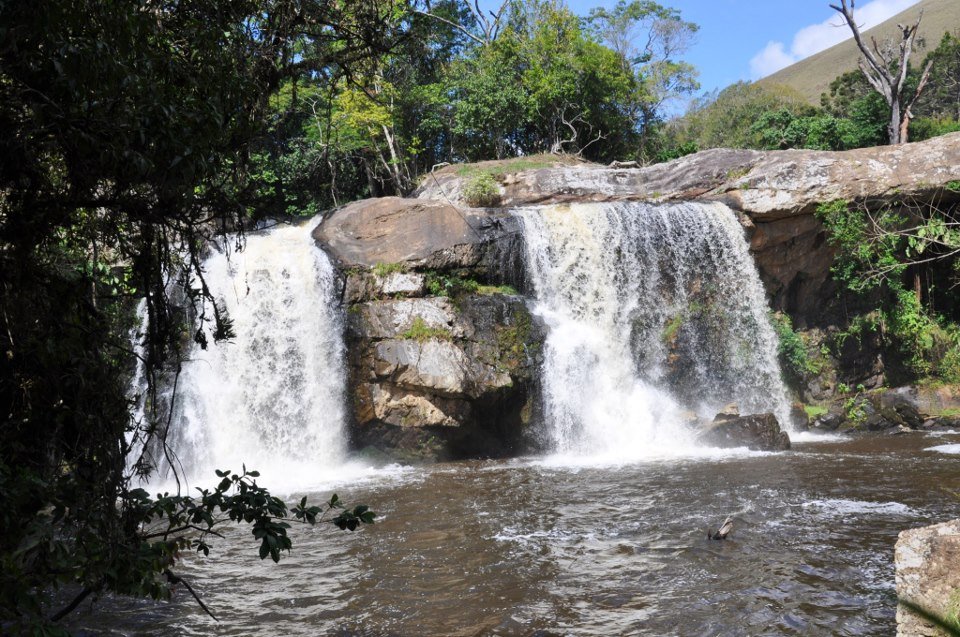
176	579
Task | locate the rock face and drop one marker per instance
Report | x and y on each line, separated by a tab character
442	351
777	191
440	370
928	574
425	235
760	432
433	377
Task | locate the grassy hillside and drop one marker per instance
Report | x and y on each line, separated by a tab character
812	76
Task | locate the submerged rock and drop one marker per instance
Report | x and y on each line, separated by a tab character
760	432
927	562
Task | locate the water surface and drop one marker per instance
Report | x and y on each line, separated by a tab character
555	547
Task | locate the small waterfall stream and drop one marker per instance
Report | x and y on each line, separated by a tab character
652	310
273	397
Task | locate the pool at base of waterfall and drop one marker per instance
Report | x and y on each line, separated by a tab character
562	546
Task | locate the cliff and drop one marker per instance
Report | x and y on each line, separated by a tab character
443	350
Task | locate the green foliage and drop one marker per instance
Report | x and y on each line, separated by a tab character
481	190
452	285
815	411
726	119
421	332
133	135
791	350
876	251
385	269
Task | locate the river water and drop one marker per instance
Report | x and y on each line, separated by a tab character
555	546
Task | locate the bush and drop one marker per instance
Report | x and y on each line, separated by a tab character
791	350
481	191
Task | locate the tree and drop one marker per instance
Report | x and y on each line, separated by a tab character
128	136
649	37
726	119
542	86
888	75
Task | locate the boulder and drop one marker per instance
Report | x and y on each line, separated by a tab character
828	422
760	432
927	562
417	234
456	375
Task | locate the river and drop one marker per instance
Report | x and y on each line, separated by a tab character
561	546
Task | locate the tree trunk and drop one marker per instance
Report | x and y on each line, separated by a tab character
893	128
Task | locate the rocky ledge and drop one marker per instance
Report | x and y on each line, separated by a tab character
777	192
443	352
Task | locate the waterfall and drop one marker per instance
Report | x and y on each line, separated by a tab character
273	397
653	311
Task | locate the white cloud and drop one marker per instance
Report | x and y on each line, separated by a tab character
817	37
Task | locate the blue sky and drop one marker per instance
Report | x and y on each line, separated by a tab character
748	39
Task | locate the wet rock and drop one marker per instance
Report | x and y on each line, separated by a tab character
460	372
828	422
798	417
927	562
760	432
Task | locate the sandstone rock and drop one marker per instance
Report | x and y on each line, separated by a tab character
425	235
465	380
760	432
927	564
764	184
777	190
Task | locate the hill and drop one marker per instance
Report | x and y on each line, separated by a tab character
812	76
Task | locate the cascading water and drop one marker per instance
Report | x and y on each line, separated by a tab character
273	397
651	310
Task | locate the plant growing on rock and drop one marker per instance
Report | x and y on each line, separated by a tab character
896	256
481	191
421	332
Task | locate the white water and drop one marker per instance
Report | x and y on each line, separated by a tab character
273	397
651	310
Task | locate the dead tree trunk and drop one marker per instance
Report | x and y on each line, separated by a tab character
886	75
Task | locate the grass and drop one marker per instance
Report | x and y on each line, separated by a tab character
502	167
815	411
509	290
383	269
421	332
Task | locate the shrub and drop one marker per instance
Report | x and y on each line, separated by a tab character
481	191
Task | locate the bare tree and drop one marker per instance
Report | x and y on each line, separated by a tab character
888	75
488	22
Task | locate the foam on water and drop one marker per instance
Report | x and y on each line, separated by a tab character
273	398
950	449
841	507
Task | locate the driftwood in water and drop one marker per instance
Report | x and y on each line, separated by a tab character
722	532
